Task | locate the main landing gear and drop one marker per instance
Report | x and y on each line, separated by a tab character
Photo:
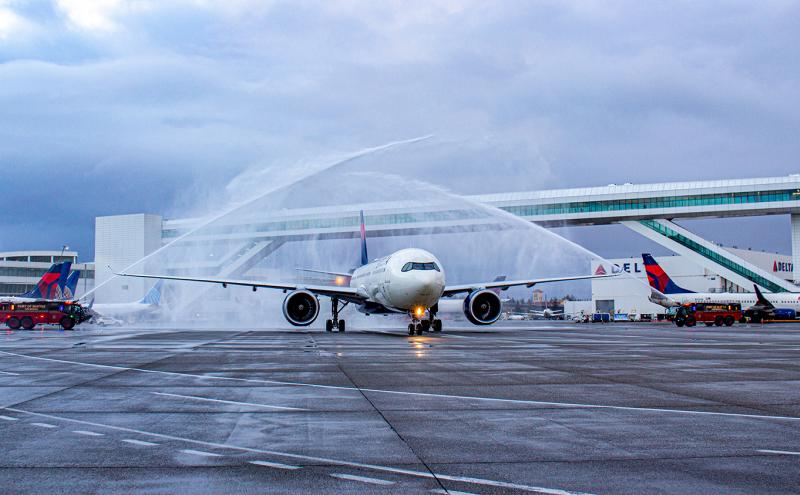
335	322
426	325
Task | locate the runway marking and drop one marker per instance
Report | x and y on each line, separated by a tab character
284	408
88	433
8	373
276	465
201	453
139	442
44	425
9	418
779	452
339	462
451	492
362	479
420	394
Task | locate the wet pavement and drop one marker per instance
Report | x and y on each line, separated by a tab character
520	407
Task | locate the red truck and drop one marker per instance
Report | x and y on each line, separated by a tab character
29	314
709	313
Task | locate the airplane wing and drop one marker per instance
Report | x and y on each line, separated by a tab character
344	293
506	284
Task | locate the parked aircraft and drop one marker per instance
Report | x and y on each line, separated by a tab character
756	305
408	281
109	312
51	286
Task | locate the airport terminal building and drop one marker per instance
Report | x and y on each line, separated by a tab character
647	209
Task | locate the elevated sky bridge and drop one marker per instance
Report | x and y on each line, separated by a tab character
648	209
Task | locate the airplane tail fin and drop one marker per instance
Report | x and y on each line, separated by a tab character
658	278
61	286
761	300
499	278
153	296
47	284
72	285
364	257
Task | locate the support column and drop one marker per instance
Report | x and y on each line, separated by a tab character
796	247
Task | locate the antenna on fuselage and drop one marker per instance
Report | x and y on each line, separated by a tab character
364	257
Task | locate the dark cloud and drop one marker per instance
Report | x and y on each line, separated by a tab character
118	109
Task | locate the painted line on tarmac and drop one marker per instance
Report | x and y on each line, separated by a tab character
276	465
88	433
778	452
8	418
451	492
314	459
423	394
44	425
283	408
201	453
8	373
362	479
139	442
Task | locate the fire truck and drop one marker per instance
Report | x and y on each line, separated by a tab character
709	313
29	314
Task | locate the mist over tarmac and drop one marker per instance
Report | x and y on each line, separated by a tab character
502	244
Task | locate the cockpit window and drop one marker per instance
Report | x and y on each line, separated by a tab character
420	266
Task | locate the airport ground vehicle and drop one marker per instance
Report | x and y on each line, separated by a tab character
29	314
709	313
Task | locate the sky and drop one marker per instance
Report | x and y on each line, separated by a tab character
112	106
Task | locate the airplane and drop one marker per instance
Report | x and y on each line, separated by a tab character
409	281
548	314
50	286
113	312
757	306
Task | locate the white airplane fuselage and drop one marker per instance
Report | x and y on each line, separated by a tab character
385	282
788	300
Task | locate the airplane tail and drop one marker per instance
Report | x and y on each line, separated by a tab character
47	286
658	278
364	257
761	300
499	278
72	285
153	296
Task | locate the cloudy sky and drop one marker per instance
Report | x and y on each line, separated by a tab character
112	106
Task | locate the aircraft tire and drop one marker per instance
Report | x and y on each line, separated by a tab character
67	323
437	325
341	325
426	325
27	323
329	325
13	323
419	328
411	329
729	321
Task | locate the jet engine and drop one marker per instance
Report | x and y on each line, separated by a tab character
482	307
301	308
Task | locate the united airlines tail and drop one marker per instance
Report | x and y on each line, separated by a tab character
72	285
658	278
364	257
153	296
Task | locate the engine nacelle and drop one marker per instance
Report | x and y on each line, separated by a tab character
482	307
301	308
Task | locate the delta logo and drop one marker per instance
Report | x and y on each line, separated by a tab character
600	270
780	266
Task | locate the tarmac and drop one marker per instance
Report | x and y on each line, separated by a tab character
518	407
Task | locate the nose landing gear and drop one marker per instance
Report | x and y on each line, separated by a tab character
426	325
